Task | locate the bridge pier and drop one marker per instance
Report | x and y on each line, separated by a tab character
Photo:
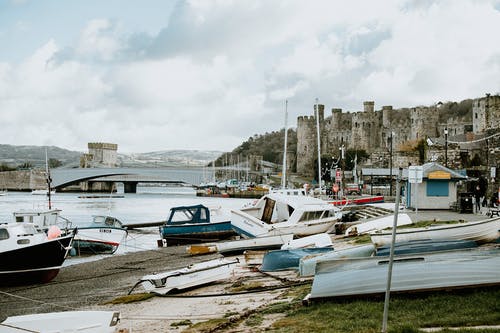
130	187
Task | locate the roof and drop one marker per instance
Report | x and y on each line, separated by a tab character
427	168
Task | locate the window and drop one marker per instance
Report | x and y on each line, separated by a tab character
4	234
437	188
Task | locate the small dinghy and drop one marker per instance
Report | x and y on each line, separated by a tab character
191	276
59	322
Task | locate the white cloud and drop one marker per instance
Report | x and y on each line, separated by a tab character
220	71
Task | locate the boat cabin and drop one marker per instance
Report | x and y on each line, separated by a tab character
189	214
14	236
42	220
106	221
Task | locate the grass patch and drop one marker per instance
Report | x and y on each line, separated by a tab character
206	326
424	224
246	287
185	322
254	320
131	298
406	313
362	239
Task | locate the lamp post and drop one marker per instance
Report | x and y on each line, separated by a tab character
446	147
390	166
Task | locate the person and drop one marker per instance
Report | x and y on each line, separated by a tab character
477	198
494	200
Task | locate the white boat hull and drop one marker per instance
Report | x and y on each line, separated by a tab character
194	275
67	322
481	231
240	245
111	237
377	224
353	277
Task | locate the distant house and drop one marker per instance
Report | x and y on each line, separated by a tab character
438	189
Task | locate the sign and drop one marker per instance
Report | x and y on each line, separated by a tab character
439	175
338	175
415	174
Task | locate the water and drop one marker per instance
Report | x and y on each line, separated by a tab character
149	204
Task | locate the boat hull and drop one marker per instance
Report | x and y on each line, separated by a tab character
258	243
36	263
481	232
436	271
196	232
70	321
278	260
189	277
427	245
99	240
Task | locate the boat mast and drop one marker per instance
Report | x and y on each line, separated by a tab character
47	175
283	173
319	147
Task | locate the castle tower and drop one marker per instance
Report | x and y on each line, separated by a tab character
369	106
423	122
100	155
307	142
386	116
485	113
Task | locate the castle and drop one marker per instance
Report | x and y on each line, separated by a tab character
372	130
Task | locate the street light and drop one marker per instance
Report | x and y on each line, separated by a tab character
390	164
446	147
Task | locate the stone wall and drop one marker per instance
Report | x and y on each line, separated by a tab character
24	180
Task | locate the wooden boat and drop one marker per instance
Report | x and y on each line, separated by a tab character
479	231
28	255
229	248
307	265
103	235
191	276
411	273
276	214
70	322
377	224
277	260
426	245
194	224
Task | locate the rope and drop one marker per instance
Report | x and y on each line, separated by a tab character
474	141
36	301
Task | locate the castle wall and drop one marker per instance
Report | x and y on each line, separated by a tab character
486	113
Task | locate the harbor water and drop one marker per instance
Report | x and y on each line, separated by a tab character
149	204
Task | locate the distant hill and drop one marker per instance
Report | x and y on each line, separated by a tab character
15	156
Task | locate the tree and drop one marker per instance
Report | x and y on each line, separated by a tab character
54	163
25	166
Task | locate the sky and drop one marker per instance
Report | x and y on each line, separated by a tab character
155	75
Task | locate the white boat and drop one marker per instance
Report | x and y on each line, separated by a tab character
28	255
377	224
103	235
59	322
411	273
3	192
42	192
276	214
307	265
479	231
191	276
318	240
257	243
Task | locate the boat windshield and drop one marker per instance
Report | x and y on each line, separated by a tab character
314	215
189	214
107	220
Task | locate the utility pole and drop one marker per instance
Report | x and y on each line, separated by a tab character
319	147
446	147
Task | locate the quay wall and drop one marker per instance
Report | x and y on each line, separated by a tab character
23	180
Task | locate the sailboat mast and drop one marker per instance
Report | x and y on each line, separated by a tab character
49	180
319	147
283	174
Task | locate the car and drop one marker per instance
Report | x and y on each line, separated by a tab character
352	189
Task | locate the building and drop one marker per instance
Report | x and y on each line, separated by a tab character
100	154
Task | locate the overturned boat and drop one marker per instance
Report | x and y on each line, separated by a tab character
238	246
411	273
278	260
189	277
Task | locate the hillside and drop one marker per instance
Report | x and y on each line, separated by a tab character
18	156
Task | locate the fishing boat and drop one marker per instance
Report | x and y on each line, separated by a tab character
196	224
479	231
276	214
69	321
307	265
426	245
238	246
411	273
42	192
191	276
103	235
28	255
277	260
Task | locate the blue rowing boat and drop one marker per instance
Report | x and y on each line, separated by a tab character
277	260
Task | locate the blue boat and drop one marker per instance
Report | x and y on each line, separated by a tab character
193	224
427	245
277	260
